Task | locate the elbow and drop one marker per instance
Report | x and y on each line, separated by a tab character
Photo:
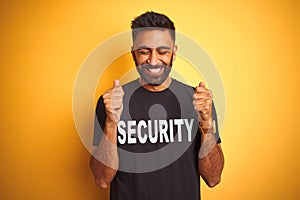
212	183
101	183
103	175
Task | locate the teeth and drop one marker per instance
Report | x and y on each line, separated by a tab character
155	70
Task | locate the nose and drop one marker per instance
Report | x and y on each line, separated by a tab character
153	58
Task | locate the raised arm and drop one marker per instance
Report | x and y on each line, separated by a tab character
105	161
211	158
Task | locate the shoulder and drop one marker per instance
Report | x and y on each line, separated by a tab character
180	87
180	84
131	85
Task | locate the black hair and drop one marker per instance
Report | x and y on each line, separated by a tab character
152	20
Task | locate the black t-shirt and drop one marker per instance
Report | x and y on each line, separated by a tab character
158	144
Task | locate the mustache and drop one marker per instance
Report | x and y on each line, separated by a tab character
149	66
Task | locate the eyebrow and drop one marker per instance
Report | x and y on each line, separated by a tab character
160	47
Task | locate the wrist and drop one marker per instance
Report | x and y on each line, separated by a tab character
110	123
111	118
207	128
206	124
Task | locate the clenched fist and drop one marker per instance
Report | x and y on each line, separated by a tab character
113	102
203	105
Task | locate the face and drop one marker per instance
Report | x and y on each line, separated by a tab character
153	52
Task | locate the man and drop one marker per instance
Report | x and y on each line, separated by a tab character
172	125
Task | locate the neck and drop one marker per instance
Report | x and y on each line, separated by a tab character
156	88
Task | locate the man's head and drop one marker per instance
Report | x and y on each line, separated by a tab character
153	47
152	20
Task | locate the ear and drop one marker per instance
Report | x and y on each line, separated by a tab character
174	52
132	53
133	56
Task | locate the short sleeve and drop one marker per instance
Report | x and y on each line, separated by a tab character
99	121
215	121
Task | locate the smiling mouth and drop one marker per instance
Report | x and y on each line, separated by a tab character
154	74
153	69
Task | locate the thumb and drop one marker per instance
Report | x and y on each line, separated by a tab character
116	83
201	84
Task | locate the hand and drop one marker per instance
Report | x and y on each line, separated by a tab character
113	102
203	105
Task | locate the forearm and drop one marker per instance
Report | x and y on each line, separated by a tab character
104	161
211	159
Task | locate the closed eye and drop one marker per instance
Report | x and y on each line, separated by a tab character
143	51
163	52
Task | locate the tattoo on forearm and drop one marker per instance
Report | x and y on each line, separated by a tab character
209	141
107	153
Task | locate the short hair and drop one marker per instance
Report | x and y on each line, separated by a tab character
152	20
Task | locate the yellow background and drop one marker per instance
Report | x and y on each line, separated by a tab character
254	44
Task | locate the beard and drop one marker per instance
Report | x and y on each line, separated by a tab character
154	79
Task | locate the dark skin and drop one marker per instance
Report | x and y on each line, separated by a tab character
107	150
211	158
156	47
